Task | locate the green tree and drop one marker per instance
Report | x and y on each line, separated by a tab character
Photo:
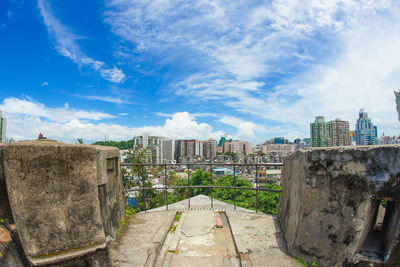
121	145
201	177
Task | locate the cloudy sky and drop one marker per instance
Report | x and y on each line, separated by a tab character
254	70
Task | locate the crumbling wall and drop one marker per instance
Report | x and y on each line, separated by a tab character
329	200
59	211
5	210
110	189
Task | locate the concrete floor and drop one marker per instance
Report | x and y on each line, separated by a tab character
201	238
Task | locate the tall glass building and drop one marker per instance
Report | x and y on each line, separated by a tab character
366	133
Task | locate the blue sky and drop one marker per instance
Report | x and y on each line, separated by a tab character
195	69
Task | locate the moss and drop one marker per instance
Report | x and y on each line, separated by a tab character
130	211
172	229
304	263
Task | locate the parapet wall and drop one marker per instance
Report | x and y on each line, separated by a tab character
332	206
66	200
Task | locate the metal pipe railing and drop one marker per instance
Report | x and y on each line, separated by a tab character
211	187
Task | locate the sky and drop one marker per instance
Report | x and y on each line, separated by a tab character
253	70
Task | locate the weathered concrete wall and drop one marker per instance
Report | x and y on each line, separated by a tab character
58	209
328	197
5	210
110	189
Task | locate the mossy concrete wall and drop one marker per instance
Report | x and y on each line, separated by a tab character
64	201
328	197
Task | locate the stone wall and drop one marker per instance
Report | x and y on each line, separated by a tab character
66	200
330	202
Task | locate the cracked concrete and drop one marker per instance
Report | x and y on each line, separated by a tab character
141	238
241	239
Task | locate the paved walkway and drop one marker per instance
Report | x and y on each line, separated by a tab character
140	239
201	202
201	238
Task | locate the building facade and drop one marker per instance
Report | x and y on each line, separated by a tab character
279	149
339	131
332	133
194	150
152	146
320	133
3	122
238	147
365	133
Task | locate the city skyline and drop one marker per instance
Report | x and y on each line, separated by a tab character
115	69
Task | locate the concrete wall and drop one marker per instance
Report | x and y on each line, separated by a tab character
65	200
5	210
329	203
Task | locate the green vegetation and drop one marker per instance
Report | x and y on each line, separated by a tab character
2	221
129	211
268	202
304	263
173	228
121	145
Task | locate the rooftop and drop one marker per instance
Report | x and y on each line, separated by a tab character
201	236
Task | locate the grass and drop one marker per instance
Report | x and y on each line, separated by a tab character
173	228
130	211
304	263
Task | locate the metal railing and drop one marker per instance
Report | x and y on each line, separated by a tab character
212	187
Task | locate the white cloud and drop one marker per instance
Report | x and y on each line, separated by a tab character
364	75
26	119
245	129
110	99
67	45
44	84
114	75
335	56
24	107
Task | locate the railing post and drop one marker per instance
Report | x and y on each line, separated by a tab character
234	184
143	194
256	188
165	185
211	171
188	168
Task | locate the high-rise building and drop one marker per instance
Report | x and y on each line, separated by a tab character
168	151
150	145
238	147
191	150
210	149
397	94
280	149
3	122
320	133
365	133
339	132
